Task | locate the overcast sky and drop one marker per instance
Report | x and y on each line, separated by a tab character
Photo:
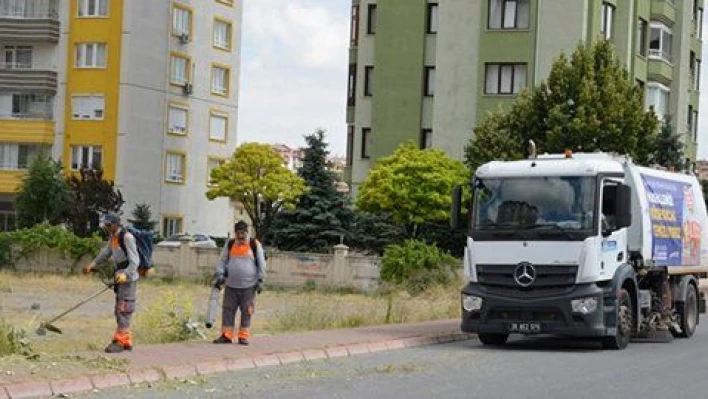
294	73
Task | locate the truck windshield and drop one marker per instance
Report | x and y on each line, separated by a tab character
534	208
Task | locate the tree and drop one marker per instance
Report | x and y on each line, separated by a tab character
322	216
372	233
43	193
142	218
91	196
255	176
588	104
669	148
413	185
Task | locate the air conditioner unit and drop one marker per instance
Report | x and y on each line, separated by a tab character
184	38
187	89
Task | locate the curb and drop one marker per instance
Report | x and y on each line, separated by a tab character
102	381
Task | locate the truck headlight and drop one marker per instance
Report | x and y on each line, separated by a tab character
584	305
471	303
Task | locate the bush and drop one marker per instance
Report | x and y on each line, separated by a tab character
416	266
45	236
168	319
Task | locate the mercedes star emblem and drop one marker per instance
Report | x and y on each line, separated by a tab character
525	274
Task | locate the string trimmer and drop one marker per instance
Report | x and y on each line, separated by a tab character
48	326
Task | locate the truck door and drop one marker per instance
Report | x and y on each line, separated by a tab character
614	240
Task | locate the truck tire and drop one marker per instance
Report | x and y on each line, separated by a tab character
624	323
688	311
493	339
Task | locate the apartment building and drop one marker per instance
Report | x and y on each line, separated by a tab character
146	90
429	71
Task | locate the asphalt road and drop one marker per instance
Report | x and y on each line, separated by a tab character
525	368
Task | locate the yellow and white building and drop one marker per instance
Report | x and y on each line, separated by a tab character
146	89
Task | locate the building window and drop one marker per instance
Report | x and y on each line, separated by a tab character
15	156
607	21
87	107
178	120
171	225
697	81
660	37
93	8
179	69
351	86
505	78
509	14
371	19
699	24
642	37
222	34
17	57
432	24
174	168
365	143
658	99
640	86
426	138
695	126
218	126
220	80
91	55
350	145
354	27
429	87
86	157
368	81
691	121
33	106
181	21
213	163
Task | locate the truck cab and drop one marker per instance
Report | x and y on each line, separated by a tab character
566	244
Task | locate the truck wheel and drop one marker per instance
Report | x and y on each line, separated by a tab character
624	323
688	313
493	339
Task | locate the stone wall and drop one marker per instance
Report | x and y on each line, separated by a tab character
286	269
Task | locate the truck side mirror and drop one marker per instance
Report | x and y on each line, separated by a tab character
624	206
456	214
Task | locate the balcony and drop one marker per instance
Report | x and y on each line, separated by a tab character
23	78
29	24
663	10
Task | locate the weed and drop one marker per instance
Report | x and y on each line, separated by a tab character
14	342
169	318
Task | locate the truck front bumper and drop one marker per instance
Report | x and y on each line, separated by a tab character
547	315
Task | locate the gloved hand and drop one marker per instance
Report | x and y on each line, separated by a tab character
90	268
259	286
218	281
121	278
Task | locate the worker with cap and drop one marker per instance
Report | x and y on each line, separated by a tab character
241	267
126	260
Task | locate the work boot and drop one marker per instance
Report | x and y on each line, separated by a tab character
115	347
243	341
222	340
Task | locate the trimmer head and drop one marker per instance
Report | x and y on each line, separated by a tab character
44	327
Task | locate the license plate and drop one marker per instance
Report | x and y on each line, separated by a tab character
525	327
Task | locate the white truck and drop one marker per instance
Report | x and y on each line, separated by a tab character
583	245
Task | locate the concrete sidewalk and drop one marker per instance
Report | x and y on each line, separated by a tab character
151	363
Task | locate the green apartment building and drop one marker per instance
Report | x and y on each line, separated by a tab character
428	71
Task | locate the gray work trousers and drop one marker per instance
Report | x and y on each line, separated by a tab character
241	299
125	304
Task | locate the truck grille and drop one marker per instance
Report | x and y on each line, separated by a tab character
550	280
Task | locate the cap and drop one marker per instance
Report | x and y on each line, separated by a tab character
241	226
111	218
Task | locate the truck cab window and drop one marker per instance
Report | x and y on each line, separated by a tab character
609	207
